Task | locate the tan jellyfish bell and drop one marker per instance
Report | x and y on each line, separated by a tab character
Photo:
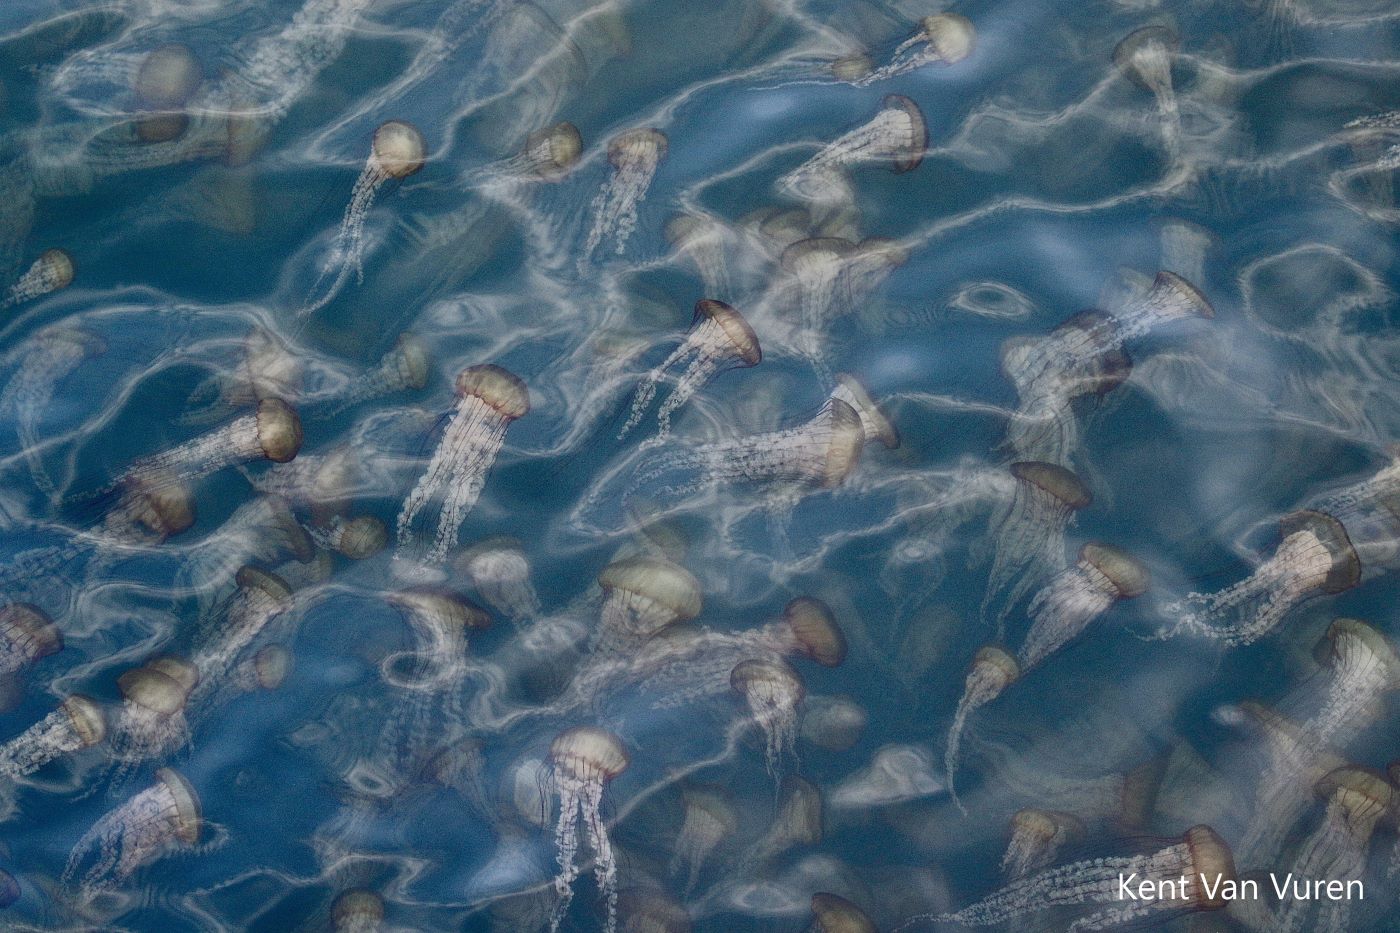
165	83
1077	596
832	913
500	571
78	723
992	671
357	910
550	153
642	596
584	759
51	272
635	155
942	37
164	816
710	819
773	691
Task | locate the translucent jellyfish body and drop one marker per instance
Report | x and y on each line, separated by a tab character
1357	799
1082	357
27	635
267	669
876	424
789	464
896	774
51	272
1076	596
1364	667
152	720
703	241
356	538
500	572
1345	538
1184	246
816	267
642	596
396	152
992	671
1197	872
272	433
798	822
832	913
709	820
260	598
489	399
167	80
48	357
833	723
772	691
943	37
357	911
1145	58
719	339
405	367
1028	536
269	368
583	760
635	156
897	136
78	723
164	816
1037	838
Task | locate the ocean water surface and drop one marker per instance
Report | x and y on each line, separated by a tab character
757	465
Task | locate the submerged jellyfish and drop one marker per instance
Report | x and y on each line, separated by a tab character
77	723
1344	539
584	759
152	720
992	671
1077	596
1198	871
261	531
896	774
51	272
27	635
357	911
169	76
272	433
137	833
816	266
396	152
643	595
773	691
1364	667
1029	534
406	366
703	240
833	723
719	339
876	425
52	354
269	369
635	156
490	398
1184	248
1145	57
260	598
1037	838
897	135
798	822
267	669
832	913
943	37
1357	800
709	820
547	156
500	572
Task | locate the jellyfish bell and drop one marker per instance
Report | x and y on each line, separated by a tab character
877	426
163	506
642	596
773	691
361	537
78	723
992	671
834	724
27	636
798	822
812	631
152	719
357	910
896	774
635	156
583	760
267	669
166	81
852	68
1365	666
651	911
1078	595
709	820
500	571
53	271
137	833
1144	57
398	149
1037	838
550	153
832	913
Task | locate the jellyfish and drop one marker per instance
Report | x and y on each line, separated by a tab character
1327	549
832	913
267	669
943	37
500	572
1170	298
78	723
27	635
773	691
162	817
818	454
648	910
51	272
356	538
547	156
833	723
897	135
709	820
642	596
870	264
260	598
261	531
798	822
1357	800
635	156
703	240
1077	596
406	366
1029	534
272	433
896	774
1184	248
992	671
396	152
1081	357
719	339
152	719
816	266
1145	58
490	398
269	369
1193	874
52	354
357	911
873	421
1364	667
1037	838
169	76
583	760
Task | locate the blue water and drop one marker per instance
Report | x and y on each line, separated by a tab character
394	770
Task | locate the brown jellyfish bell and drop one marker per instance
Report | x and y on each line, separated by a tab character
942	37
583	760
635	155
992	671
163	817
1078	595
52	271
